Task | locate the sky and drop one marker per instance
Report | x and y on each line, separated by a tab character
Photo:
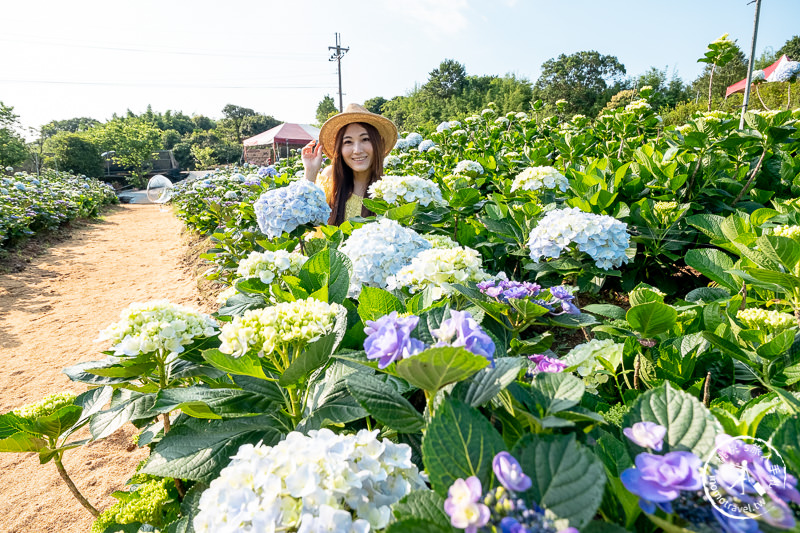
60	60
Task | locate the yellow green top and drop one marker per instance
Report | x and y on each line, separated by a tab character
353	206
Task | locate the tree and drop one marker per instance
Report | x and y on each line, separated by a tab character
71	125
326	108
720	52
447	80
234	117
791	49
12	147
767	57
258	123
582	79
76	153
202	122
375	104
668	91
134	141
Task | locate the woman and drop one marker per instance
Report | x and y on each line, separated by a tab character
356	141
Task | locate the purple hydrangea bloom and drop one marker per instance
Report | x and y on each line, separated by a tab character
647	435
509	473
561	295
738	524
389	339
510	525
661	478
462	330
547	364
503	290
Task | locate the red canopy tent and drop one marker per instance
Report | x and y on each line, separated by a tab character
740	86
278	140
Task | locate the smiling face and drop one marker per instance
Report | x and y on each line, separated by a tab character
357	148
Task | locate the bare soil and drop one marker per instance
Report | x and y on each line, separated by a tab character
54	299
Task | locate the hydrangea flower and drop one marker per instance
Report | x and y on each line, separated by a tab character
604	238
378	250
267	171
585	358
661	478
439	268
281	210
156	326
426	145
647	435
444	126
638	105
462	330
547	364
413	139
468	168
316	482
401	144
463	505
440	241
392	161
790	232
509	473
767	320
539	178
400	190
389	339
46	406
268	265
277	327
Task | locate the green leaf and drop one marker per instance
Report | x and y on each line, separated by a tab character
708	295
22	442
126	406
315	354
434	368
651	318
567	478
770	279
556	392
374	303
690	426
384	403
783	250
202	402
248	364
779	344
199	449
487	383
417	525
60	421
79	372
252	285
785	440
606	310
459	442
713	264
330	268
616	459
731	349
582	320
329	401
423	505
708	224
122	370
237	304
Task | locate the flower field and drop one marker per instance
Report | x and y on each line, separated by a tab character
30	203
551	324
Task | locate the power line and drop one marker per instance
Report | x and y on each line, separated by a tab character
168	84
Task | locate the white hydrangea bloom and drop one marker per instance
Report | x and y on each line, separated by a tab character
585	358
790	232
426	145
268	265
392	160
538	178
413	140
444	126
638	105
501	121
399	190
157	326
265	330
468	167
401	145
378	250
307	484
603	237
522	116
440	268
225	294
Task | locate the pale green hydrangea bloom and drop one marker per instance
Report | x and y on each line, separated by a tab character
685	129
584	359
46	406
539	178
151	503
225	294
638	105
439	268
268	265
440	241
157	326
400	190
768	321
276	327
790	232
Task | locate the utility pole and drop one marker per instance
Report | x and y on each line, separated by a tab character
337	56
750	66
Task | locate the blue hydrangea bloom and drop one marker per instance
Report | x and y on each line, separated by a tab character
282	210
389	339
463	330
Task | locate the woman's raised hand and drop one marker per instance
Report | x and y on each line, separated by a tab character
312	160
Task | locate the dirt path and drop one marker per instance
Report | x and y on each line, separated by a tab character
50	315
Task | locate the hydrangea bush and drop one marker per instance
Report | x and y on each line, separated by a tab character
282	210
400	190
268	265
439	268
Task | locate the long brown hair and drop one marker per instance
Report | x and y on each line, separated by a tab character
342	180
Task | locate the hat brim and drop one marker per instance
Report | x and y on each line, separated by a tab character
386	129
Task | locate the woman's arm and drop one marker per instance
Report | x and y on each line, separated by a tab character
311	156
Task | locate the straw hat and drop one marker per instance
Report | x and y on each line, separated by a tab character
356	113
